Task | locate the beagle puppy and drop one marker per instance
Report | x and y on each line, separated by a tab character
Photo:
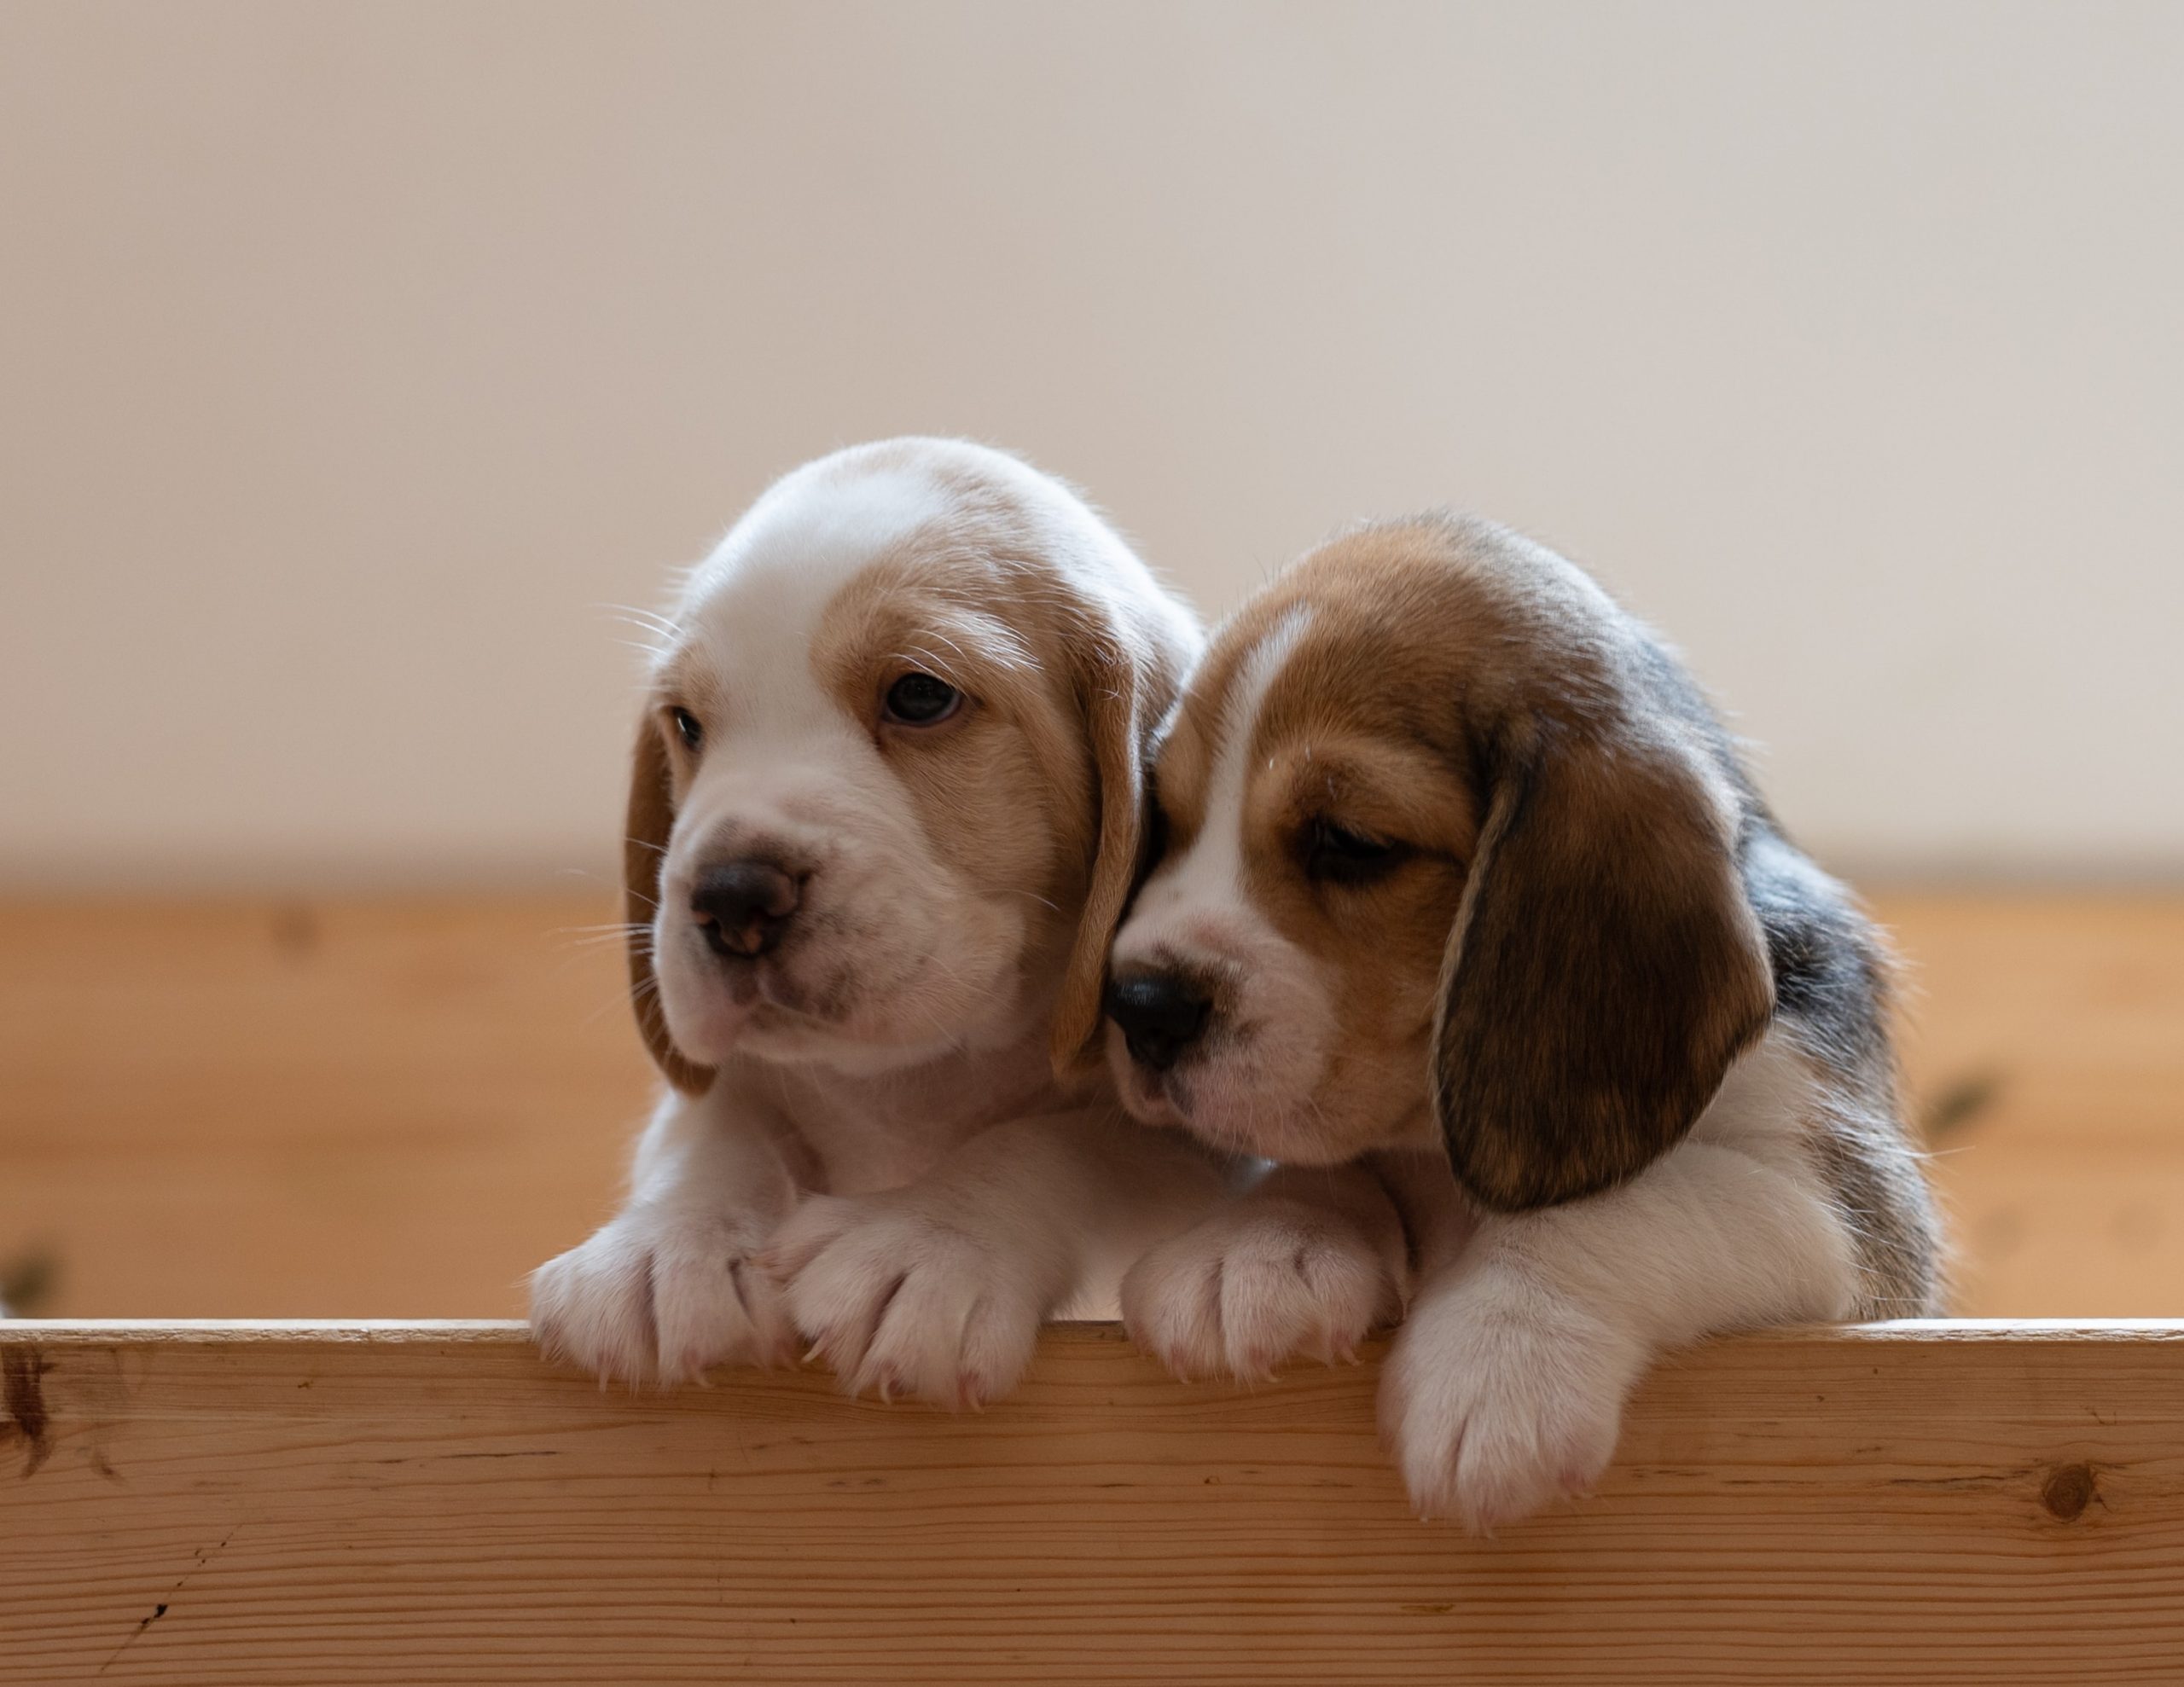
884	811
1465	908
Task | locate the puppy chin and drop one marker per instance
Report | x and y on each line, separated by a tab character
705	1021
716	1006
1219	1110
1264	1127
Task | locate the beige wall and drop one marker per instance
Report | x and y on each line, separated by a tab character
353	355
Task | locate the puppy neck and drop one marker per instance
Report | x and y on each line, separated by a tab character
866	1132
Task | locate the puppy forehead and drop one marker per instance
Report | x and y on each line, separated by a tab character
757	603
955	538
1350	683
1414	632
1307	667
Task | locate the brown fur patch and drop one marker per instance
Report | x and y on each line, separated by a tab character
649	820
1004	786
1056	809
1603	973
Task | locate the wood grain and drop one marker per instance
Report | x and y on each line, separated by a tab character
2066	1190
396	1107
1899	1503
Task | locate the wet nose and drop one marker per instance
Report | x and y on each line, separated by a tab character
1161	1015
743	906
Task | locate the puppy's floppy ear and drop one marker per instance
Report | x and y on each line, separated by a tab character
1605	969
1126	678
644	848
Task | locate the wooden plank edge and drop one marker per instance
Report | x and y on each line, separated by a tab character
512	1332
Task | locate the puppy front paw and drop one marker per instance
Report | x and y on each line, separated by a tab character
1259	1283
898	1300
660	1297
1500	1399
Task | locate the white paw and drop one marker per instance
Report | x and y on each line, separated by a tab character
1259	1283
660	1297
899	1301
1502	1398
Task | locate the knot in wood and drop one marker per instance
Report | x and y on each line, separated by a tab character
2067	1492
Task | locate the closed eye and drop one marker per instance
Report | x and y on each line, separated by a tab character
1333	854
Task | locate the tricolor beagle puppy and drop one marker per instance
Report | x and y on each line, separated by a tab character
1467	910
885	812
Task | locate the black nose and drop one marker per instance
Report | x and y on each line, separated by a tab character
744	906
1161	1014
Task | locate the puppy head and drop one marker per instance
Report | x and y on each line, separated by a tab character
1446	850
887	788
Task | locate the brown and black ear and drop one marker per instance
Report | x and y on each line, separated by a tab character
644	847
1126	677
1604	970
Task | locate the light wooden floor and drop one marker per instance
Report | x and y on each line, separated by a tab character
394	1110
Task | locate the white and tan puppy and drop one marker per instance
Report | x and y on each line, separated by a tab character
885	812
1466	907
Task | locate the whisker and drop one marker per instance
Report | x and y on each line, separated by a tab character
625	998
961	983
650	620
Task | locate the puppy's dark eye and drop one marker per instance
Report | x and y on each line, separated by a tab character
1335	855
689	729
921	700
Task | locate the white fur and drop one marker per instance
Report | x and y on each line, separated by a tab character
1306	1262
895	1177
1208	880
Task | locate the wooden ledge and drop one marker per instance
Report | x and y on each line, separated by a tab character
1928	1502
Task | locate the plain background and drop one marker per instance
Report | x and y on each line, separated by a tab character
353	357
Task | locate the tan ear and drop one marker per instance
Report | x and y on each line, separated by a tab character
1605	969
1125	679
644	847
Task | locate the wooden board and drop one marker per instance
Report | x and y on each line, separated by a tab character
395	1108
1900	1503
